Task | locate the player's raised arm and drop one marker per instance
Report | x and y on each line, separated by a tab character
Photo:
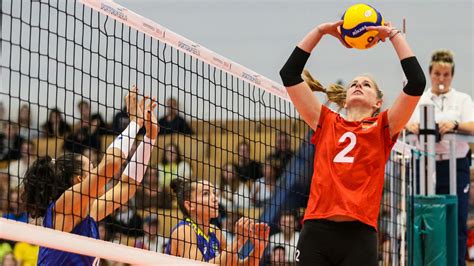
305	101
405	104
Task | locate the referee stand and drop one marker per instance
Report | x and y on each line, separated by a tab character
434	236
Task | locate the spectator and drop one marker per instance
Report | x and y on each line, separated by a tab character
56	126
172	166
85	115
17	169
88	136
228	227
10	143
453	112
27	128
9	260
4	187
263	188
172	122
93	156
102	231
277	258
242	199
126	221
2	116
120	122
246	168
151	194
229	185
14	210
282	153
288	237
152	241
26	254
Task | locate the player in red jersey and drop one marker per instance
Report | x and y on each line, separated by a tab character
341	217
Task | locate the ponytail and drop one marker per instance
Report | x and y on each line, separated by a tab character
335	93
182	189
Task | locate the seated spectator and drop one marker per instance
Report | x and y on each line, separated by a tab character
17	169
282	153
102	231
228	227
9	260
242	199
10	143
288	237
84	115
126	221
4	189
229	185
56	126
88	136
93	155
172	166
172	122
121	121
5	249
277	257
14	210
246	168
3	118
263	188
150	194
26	254
27	128
152	241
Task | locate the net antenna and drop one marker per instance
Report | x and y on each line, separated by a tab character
403	178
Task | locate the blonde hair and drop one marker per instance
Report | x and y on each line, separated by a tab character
442	58
336	93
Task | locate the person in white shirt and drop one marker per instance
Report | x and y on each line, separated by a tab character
453	112
288	237
17	169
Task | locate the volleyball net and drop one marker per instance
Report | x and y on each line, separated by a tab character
66	67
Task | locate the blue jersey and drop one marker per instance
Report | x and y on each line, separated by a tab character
208	244
47	256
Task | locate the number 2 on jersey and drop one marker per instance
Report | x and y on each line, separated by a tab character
342	157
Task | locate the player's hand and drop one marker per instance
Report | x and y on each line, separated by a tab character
333	29
261	233
151	123
446	126
243	229
383	33
135	110
413	128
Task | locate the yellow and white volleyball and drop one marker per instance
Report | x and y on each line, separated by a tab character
356	19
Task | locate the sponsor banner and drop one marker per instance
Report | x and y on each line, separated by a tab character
153	29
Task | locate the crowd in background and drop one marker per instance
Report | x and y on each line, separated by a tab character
244	184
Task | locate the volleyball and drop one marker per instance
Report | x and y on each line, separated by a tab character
356	19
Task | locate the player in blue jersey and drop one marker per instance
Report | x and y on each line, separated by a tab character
69	193
196	238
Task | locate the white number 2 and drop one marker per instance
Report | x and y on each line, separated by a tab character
341	156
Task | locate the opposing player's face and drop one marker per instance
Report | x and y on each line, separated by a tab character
441	78
206	203
362	92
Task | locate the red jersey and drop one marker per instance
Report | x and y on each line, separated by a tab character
349	167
